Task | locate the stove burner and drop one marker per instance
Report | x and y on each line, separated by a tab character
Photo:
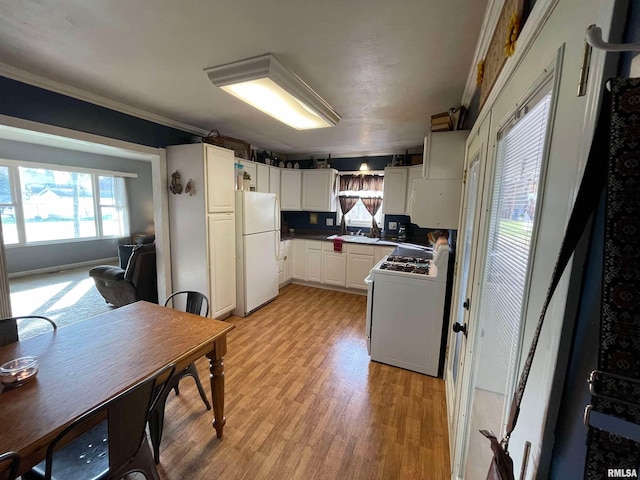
405	267
404	259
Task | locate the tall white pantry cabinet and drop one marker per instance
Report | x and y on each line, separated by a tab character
202	225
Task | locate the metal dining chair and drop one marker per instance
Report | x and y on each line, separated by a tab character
9	463
9	327
107	448
198	304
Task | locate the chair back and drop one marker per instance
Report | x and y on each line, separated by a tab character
189	301
123	433
9	327
9	462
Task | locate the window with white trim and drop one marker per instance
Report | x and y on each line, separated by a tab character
358	215
41	203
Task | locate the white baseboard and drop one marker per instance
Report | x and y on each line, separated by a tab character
70	266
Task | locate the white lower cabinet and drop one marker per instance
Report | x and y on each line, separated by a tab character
314	261
379	252
299	254
288	261
334	266
222	277
284	262
358	268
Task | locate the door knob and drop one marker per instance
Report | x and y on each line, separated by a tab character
460	328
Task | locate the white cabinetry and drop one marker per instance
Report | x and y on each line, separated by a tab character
202	226
314	260
379	252
319	190
284	262
436	198
262	180
274	181
251	168
290	189
334	265
221	239
413	173
299	254
395	190
360	262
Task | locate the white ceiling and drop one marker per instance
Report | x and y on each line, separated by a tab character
384	66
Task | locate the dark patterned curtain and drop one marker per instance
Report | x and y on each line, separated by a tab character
373	205
361	182
346	204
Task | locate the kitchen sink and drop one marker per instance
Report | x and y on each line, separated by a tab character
354	238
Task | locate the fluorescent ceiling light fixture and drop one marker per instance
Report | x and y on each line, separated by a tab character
264	83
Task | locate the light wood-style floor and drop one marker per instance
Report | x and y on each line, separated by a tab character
303	401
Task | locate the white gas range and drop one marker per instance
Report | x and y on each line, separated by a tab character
405	308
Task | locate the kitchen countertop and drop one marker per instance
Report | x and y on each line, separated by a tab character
322	236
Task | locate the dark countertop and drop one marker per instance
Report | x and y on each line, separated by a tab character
322	236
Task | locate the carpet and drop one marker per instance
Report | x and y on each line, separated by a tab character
66	297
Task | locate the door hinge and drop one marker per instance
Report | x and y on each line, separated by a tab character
464	177
584	68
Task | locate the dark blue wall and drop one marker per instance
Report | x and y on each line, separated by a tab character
25	101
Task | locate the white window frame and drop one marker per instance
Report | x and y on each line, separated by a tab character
18	206
361	223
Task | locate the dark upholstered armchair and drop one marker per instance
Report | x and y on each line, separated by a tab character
137	281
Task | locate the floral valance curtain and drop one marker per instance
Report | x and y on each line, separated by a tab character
357	183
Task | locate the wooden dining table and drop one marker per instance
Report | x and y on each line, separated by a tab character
86	364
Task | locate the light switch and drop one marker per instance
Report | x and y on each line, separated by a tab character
329	222
393	225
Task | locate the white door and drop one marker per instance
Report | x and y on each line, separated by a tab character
259	212
274	180
467	245
509	287
290	189
395	190
222	263
260	269
220	179
262	182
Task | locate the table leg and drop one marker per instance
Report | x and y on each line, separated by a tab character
216	369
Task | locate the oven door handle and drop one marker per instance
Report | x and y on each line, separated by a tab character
368	280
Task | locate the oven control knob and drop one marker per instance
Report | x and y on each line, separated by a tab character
459	328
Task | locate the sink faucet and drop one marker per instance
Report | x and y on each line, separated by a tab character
359	232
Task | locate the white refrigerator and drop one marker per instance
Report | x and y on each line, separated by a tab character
257	250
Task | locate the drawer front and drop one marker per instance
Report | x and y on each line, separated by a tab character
314	245
360	249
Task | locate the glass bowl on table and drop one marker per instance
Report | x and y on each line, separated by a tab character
18	371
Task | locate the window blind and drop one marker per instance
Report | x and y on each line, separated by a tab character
511	222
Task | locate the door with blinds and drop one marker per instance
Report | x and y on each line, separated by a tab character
501	291
462	327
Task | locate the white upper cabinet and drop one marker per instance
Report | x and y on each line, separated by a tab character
252	169
413	173
262	180
220	179
274	180
444	154
290	189
436	198
319	190
395	190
